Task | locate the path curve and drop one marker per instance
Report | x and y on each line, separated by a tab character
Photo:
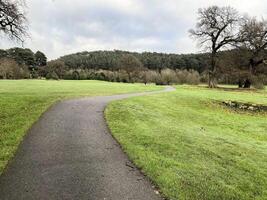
69	154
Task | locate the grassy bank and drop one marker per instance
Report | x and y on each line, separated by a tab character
194	148
23	101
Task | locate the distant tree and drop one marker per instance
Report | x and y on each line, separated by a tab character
9	69
56	67
12	19
146	76
52	75
75	75
253	39
40	58
168	76
3	53
215	30
22	56
130	64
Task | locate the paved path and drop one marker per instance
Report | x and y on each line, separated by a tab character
69	154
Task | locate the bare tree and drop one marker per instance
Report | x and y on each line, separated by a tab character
168	76
215	30
12	19
130	64
253	39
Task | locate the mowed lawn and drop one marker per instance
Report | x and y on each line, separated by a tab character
23	101
192	147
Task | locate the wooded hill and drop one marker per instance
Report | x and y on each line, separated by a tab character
125	66
109	60
232	65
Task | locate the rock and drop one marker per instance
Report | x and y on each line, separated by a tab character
244	106
251	108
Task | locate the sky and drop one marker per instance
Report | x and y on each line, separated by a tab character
60	27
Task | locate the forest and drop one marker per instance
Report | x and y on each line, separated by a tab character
124	66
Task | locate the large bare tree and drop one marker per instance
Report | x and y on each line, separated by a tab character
253	40
13	21
215	30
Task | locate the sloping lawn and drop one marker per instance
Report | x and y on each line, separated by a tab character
23	101
193	148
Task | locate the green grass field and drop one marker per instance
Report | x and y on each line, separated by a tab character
193	148
23	101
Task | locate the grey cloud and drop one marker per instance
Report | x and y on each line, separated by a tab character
58	27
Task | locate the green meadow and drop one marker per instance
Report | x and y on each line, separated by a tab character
191	146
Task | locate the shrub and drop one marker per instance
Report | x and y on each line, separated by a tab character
168	76
190	77
9	69
75	75
123	76
34	74
258	82
52	75
57	67
193	78
146	76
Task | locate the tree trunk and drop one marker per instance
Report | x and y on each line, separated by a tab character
247	83
212	72
240	84
212	80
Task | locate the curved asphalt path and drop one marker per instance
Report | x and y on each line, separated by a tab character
69	154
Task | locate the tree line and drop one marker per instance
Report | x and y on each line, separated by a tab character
110	60
18	63
124	66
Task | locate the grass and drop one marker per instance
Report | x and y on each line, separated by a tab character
23	101
193	148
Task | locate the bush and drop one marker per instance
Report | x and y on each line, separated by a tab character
52	76
190	77
9	69
146	76
34	74
75	75
258	83
123	76
193	78
56	66
168	76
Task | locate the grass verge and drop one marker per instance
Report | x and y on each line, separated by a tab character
193	148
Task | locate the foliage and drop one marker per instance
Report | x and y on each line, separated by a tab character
257	82
26	60
52	75
40	59
22	56
9	69
56	68
109	60
106	65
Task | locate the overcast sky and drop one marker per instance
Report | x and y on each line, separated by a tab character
59	27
